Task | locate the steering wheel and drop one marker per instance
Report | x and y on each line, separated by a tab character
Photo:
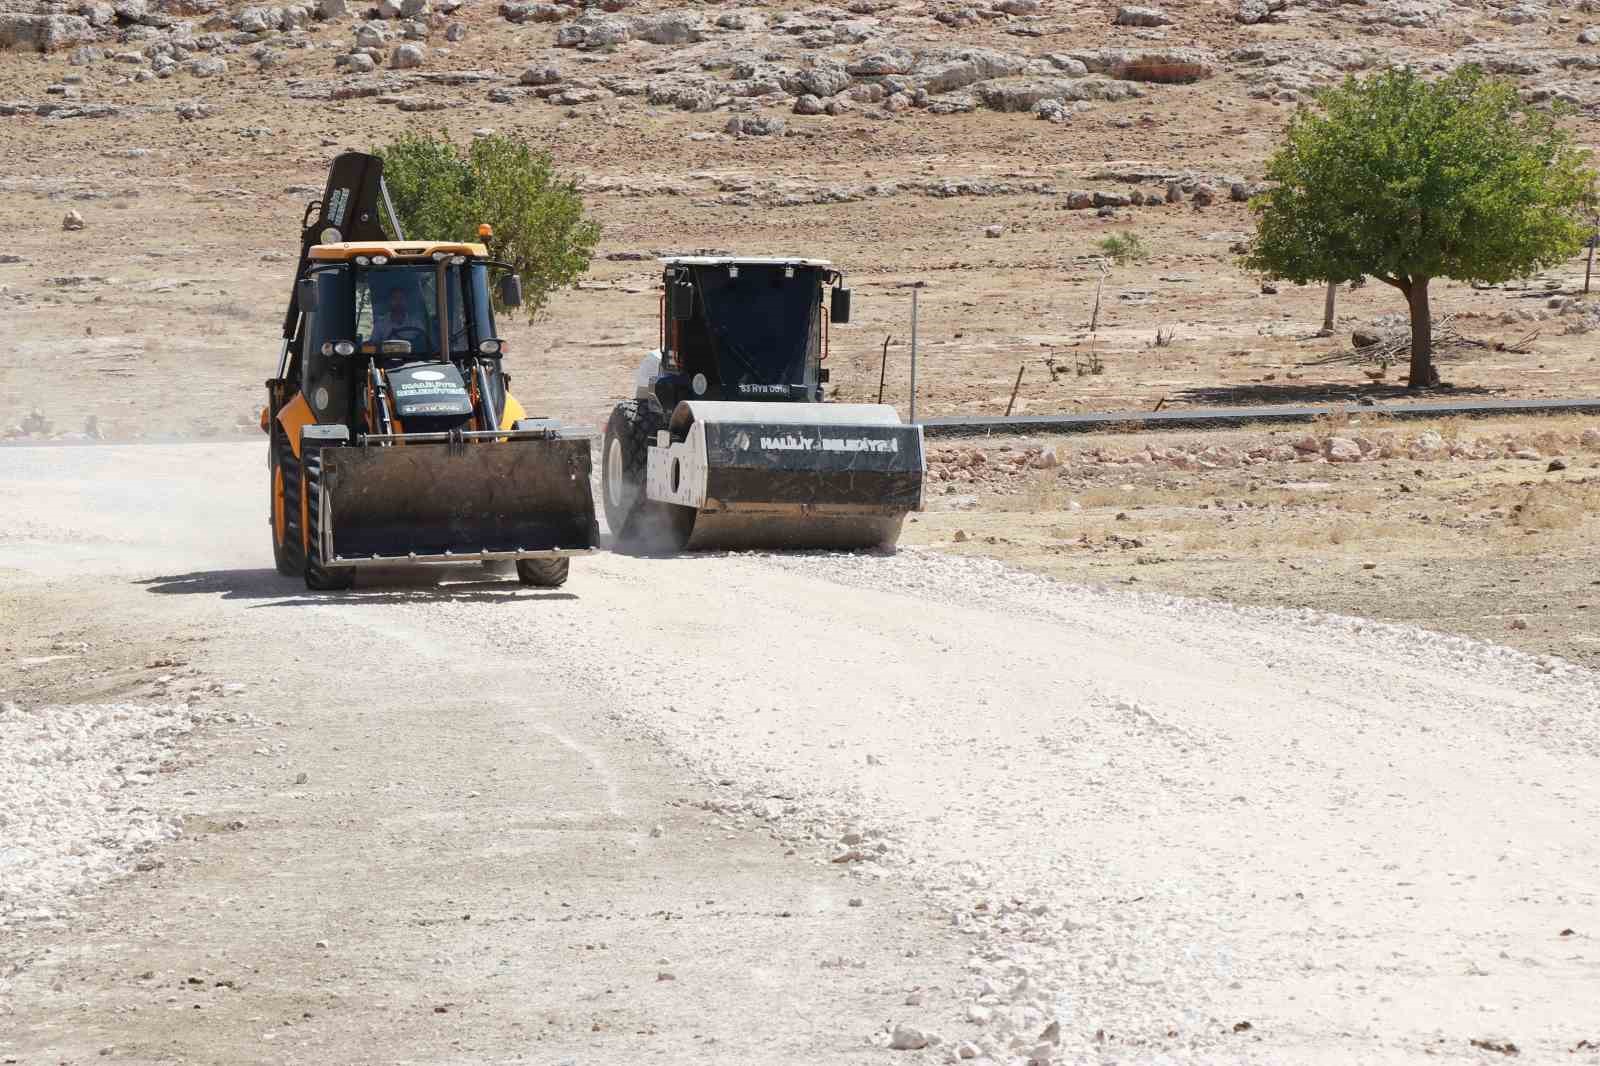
416	336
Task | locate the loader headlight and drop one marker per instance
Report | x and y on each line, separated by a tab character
457	260
698	383
379	260
344	348
330	236
489	347
321	397
362	261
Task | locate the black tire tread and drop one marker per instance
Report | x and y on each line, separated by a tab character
543	573
318	577
634	423
289	556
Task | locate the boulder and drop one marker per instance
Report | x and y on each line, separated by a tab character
407	56
754	126
592	32
545	75
808	104
538	12
1169	65
1591	35
355	63
946	71
825	77
742	21
259	20
28	32
329	10
1342	450
1022	94
669	27
1141	16
877	64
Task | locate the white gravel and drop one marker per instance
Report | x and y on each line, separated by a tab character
72	813
1156	818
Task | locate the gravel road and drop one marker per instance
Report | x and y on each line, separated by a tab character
756	808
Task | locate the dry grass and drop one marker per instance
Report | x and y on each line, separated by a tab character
1552	508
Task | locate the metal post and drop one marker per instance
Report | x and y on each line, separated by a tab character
1588	267
913	356
1013	401
883	367
1327	309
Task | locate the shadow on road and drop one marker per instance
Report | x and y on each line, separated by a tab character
401	586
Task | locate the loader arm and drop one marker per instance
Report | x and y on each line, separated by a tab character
349	205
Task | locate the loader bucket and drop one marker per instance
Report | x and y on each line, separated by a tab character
791	475
441	502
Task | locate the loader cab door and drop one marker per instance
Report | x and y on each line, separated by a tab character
327	381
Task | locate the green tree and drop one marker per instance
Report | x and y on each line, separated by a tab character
1407	180
443	193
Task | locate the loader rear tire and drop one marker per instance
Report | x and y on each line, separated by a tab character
284	487
319	578
543	573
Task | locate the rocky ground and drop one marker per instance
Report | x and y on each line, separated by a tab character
982	152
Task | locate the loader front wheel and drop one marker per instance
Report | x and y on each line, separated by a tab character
319	578
287	553
543	573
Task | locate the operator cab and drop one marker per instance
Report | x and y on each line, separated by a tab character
746	329
419	317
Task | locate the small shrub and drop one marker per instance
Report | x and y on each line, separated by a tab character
443	193
1127	247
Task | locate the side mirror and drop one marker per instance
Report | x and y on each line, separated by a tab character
511	291
680	294
839	309
307	289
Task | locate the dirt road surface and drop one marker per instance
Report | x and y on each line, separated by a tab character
768	809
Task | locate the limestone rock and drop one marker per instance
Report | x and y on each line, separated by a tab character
1141	16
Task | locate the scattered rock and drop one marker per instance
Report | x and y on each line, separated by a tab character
1141	16
808	104
669	27
754	126
407	56
1555	465
1342	450
908	1038
1590	35
993	231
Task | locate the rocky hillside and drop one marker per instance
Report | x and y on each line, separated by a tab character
757	62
